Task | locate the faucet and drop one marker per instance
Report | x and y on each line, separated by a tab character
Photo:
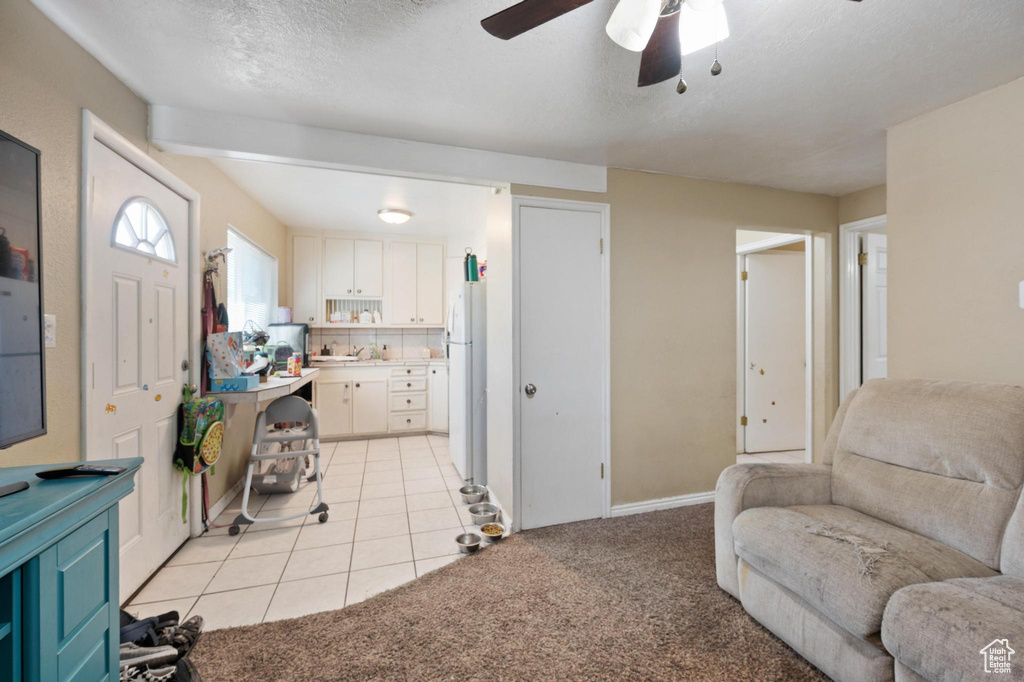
359	351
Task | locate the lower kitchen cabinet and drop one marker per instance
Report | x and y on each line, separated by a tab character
370	406
384	398
438	383
334	406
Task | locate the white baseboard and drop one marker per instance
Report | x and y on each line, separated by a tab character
663	503
231	493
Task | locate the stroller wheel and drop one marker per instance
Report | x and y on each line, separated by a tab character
323	517
233	530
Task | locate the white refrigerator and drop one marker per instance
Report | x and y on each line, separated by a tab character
466	332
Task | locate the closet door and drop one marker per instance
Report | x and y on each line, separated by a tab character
430	284
403	283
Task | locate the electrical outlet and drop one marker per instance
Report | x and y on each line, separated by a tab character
50	330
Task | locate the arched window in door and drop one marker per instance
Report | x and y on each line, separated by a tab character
140	227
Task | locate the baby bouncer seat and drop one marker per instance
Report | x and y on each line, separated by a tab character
288	449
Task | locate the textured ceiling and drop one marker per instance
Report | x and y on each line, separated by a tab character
808	90
322	199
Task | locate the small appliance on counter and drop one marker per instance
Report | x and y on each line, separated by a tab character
295	335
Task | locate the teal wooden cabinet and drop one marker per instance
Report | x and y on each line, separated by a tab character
58	576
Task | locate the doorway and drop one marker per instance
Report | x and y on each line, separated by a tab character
139	283
561	360
863	330
774	299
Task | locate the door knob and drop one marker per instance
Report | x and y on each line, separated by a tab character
530	390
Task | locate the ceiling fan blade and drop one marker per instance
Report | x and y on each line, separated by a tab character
526	15
661	58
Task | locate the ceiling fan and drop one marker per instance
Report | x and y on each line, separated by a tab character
648	26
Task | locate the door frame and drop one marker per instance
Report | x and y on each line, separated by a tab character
93	128
741	334
604	210
850	300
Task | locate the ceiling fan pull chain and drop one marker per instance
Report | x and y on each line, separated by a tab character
716	68
681	85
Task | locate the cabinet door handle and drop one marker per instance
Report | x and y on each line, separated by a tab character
412	319
357	385
433	371
311	319
408	421
408	402
408	371
349	291
421	319
408	385
359	291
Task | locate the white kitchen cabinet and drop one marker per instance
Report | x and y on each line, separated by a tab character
370	406
369	268
334	405
430	284
353	268
438	389
403	283
417	284
306	296
339	268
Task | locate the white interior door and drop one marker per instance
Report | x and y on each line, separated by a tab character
136	335
562	356
775	365
874	329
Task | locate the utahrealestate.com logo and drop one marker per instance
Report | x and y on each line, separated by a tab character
997	656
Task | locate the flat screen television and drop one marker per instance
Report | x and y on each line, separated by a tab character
22	374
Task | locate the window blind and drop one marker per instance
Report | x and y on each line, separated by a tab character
252	283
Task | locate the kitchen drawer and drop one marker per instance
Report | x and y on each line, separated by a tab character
409	421
409	372
399	385
408	401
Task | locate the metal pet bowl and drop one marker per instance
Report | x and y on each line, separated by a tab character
483	513
498	536
471	494
468	542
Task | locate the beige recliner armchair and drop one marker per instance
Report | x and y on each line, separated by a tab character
902	555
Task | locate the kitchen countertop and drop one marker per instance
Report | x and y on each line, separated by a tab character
409	362
274	387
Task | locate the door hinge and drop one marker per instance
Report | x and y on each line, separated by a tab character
743	421
862	259
743	275
602	244
602	469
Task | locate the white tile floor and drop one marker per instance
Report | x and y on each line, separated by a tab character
394	513
788	457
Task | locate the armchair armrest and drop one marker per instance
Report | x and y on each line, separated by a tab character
745	486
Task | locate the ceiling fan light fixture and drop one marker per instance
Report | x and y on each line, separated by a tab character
703	5
394	216
698	29
632	23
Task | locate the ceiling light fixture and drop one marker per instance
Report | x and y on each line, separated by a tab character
632	23
699	28
394	216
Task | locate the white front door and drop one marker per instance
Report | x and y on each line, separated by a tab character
775	365
563	356
136	328
874	330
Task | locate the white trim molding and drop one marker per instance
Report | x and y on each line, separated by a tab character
663	503
770	243
849	300
213	135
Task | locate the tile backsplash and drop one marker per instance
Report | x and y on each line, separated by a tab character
402	342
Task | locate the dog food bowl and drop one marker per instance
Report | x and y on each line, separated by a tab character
496	537
471	494
468	542
483	513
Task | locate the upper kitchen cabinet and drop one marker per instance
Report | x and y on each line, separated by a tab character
417	284
306	278
353	268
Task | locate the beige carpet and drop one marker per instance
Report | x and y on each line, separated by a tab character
627	598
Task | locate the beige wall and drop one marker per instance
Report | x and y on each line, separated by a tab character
46	80
956	240
867	203
673	267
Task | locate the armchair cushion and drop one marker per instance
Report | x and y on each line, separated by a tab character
842	562
938	630
745	486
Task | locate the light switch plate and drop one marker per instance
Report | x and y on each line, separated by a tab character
50	330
